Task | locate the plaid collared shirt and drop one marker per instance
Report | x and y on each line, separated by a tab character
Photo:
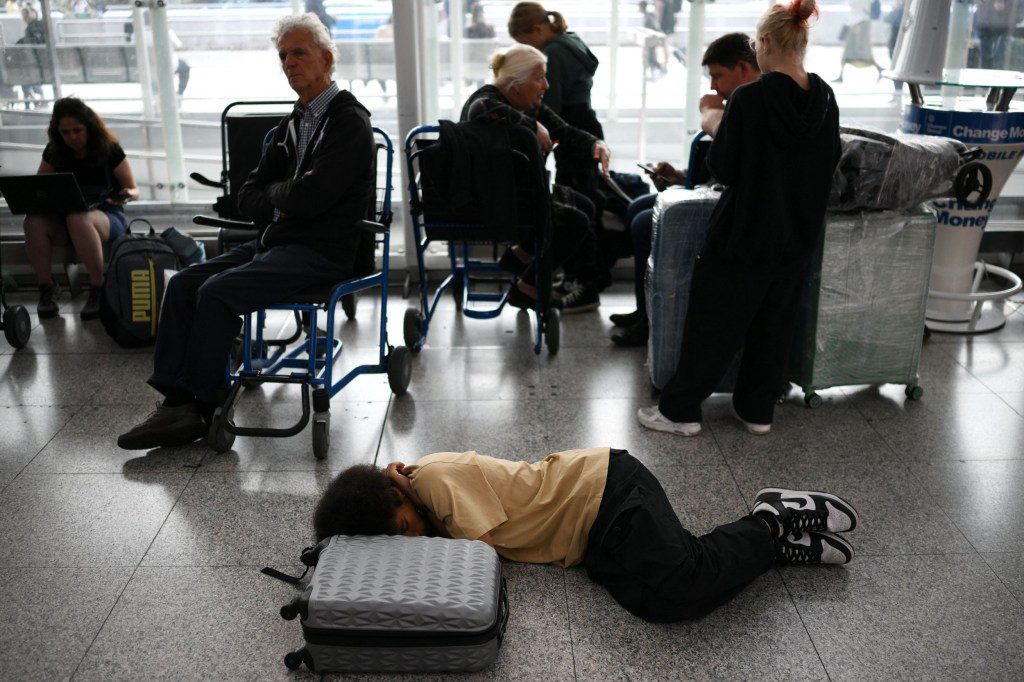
309	116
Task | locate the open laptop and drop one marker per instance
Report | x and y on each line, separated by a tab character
49	193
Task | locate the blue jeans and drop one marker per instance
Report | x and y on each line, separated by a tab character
640	215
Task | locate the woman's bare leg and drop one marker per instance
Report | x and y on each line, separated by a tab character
42	233
88	232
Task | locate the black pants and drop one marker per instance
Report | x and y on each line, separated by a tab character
733	307
573	246
200	316
656	569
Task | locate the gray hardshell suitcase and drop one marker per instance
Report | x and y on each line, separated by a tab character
391	603
681	222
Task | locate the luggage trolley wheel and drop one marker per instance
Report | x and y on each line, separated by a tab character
17	326
552	330
913	392
399	369
411	329
812	400
348	304
218	437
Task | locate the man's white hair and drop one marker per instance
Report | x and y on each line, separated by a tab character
304	22
515	64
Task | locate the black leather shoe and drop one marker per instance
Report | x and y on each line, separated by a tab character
625	319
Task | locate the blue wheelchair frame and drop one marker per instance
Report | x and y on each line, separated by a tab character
311	363
417	320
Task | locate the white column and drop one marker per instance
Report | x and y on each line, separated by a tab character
407	57
142	61
173	146
298	7
51	47
694	50
613	61
429	81
455	26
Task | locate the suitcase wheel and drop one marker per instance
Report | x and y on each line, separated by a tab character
293	660
914	392
812	400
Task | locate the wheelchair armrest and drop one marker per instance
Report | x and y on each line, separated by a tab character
371	226
210	221
203	180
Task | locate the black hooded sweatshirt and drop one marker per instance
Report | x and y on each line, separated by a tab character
319	210
775	152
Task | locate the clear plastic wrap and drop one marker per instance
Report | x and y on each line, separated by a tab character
893	172
862	318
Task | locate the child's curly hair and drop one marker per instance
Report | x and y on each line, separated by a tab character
359	501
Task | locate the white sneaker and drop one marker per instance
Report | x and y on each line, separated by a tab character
756	429
652	418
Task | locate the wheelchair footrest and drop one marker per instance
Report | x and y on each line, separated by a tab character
227	409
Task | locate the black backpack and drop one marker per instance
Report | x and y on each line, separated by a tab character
133	286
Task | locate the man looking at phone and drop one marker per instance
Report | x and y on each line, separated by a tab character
731	63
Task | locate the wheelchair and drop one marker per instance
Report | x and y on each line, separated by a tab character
465	268
310	364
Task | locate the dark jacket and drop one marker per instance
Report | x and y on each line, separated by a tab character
571	68
775	151
488	103
323	208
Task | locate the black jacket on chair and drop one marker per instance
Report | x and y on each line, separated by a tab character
319	210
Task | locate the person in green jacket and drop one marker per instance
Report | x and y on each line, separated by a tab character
570	73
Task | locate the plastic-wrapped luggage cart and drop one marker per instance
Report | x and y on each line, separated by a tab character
862	318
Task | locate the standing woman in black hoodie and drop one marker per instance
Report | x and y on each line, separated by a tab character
775	150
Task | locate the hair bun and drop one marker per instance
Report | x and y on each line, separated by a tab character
497	61
802	10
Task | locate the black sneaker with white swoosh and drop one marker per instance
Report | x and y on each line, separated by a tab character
813	547
806	510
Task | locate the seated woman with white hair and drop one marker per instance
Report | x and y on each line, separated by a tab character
515	98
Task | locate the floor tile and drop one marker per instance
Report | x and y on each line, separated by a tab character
1014	400
355	433
509	429
50	617
476	374
61	380
703	497
70	334
84	519
896	515
740	640
835	433
240	518
1009	567
1011	332
592	373
26	430
975	427
88	445
568	423
981	497
999	366
196	623
921	617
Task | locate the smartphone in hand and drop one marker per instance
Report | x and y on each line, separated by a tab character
649	169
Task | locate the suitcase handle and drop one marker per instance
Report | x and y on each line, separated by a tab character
503	611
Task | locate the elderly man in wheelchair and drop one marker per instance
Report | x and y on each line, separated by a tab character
307	196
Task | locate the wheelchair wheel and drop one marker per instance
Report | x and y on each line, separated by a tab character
399	370
218	437
17	326
552	330
348	304
321	439
411	329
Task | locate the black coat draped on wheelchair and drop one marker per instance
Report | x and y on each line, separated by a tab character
310	364
428	169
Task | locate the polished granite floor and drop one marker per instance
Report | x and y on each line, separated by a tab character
120	565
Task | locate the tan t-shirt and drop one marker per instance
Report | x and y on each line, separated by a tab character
536	513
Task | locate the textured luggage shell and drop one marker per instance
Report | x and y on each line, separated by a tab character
679	229
862	317
403	604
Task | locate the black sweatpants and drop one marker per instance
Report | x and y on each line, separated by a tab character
653	566
203	303
733	307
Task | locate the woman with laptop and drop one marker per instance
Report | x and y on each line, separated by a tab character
80	144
